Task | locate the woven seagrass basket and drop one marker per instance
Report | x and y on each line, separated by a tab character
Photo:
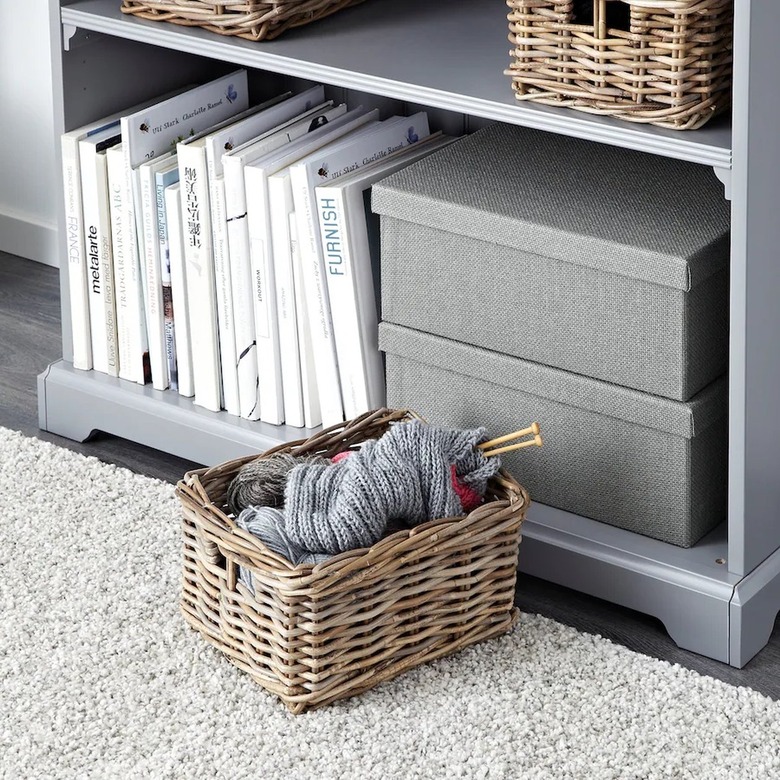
662	62
251	19
316	634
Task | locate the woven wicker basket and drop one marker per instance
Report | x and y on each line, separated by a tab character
315	634
251	19
664	62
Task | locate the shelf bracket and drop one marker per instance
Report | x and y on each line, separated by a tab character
74	37
724	174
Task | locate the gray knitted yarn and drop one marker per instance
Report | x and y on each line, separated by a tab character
267	524
330	508
261	482
474	469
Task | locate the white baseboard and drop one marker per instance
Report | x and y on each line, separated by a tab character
26	236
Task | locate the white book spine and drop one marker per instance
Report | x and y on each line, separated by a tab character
363	270
342	293
179	290
97	231
107	269
224	296
239	254
155	327
131	326
280	201
129	312
316	291
269	367
77	267
310	395
330	163
199	266
241	288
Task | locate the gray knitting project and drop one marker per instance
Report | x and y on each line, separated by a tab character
406	474
267	523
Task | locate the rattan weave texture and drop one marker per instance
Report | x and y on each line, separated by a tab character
250	19
316	634
665	62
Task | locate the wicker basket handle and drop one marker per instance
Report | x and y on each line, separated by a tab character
190	484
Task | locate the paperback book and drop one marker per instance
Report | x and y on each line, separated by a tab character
97	229
146	134
261	251
243	289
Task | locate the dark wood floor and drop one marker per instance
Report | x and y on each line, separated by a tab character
30	340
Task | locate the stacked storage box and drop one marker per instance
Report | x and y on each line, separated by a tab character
531	276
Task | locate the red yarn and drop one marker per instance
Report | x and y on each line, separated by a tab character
469	498
339	456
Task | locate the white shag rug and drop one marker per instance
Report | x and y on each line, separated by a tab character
101	678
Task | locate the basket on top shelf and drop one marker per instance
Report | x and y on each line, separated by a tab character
661	62
255	20
312	634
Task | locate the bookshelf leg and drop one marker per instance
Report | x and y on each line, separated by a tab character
754	610
70	421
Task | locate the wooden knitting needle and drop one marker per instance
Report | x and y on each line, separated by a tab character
535	442
531	429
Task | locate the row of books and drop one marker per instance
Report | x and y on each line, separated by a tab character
229	253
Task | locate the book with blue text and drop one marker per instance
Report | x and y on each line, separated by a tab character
345	230
150	259
324	165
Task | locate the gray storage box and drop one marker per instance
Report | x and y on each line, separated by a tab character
637	461
606	262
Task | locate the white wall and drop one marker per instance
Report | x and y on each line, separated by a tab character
29	188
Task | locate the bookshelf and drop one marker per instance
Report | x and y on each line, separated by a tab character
719	598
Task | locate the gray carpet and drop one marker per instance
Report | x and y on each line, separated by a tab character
102	679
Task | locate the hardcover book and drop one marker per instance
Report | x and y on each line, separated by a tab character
327	164
350	238
153	285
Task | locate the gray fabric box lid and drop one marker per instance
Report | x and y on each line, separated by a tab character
616	210
650	411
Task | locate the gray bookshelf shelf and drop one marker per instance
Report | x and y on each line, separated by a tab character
721	597
445	55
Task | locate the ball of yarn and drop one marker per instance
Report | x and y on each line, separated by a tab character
267	524
261	482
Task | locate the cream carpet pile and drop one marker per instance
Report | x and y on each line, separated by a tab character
101	678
